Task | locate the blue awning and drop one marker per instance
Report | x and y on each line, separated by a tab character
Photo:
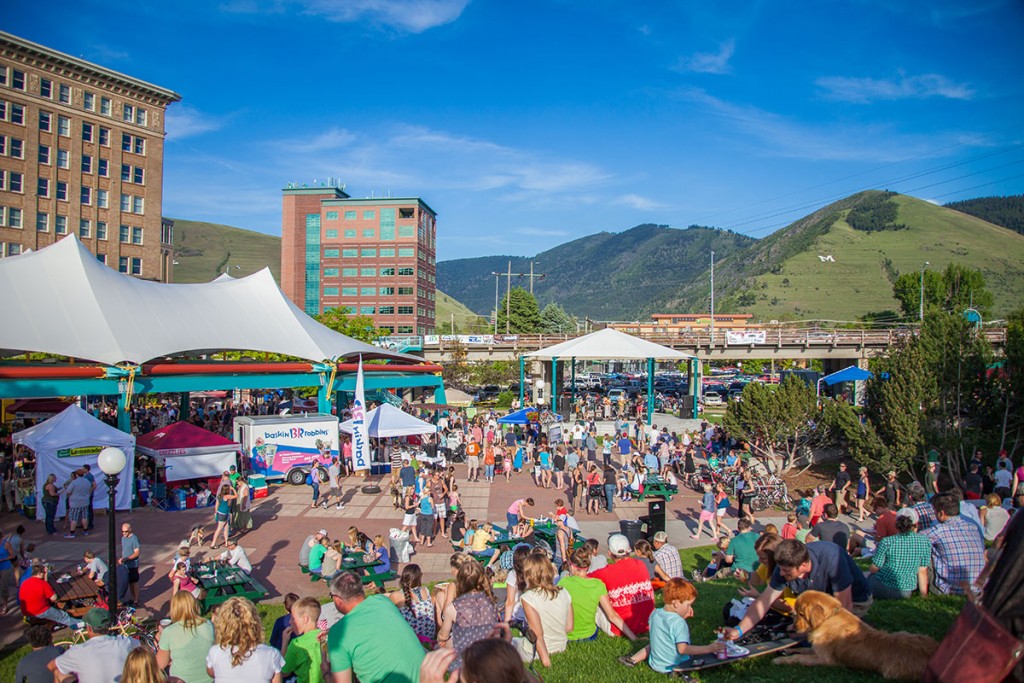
850	374
519	417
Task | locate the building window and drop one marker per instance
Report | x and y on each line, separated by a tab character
369	214
406	271
140	117
406	213
13	218
89	101
17	79
387	253
136	266
86	163
103	168
102	199
102	258
122	264
133	144
42	222
349	253
46	88
350	233
387	291
3	74
405	291
332	234
349	291
350	215
86	195
387	224
349	272
60	225
15	147
367	291
406	231
86	132
330	291
64	94
128	113
405	252
64	126
136	235
132	174
138	205
13	249
386	272
366	310
15	113
330	253
330	272
124	235
43	187
104	136
84	228
45	121
14	182
101	230
368	272
368	252
63	159
62	191
405	310
44	155
105	106
386	310
405	329
368	232
332	215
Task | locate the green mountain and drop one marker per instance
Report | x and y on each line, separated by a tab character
871	238
1005	211
607	276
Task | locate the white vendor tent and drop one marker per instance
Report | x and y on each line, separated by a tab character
74	438
189	452
61	300
388	421
608	344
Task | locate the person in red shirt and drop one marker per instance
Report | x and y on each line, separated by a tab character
790	528
629	587
886	524
818	503
37	599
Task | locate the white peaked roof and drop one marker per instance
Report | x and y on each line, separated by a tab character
61	300
72	427
386	420
608	344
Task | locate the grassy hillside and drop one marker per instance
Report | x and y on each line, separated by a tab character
797	284
202	251
465	320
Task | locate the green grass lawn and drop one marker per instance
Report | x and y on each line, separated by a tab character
596	661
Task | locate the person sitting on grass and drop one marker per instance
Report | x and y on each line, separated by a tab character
591	607
481	537
901	562
303	656
670	634
756	582
718	563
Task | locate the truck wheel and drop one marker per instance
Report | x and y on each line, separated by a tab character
296	477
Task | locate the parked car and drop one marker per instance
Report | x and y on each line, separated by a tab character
712	398
487	393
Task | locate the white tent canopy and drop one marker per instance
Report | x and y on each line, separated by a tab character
61	300
387	421
608	344
73	438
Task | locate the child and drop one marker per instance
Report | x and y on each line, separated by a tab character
707	513
453	500
95	568
467	539
301	645
670	635
283	622
184	555
791	526
506	466
313	482
718	567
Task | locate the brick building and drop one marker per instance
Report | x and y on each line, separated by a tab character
81	152
373	257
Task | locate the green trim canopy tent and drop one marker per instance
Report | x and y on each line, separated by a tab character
608	344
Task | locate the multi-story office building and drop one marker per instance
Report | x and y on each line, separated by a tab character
81	152
373	257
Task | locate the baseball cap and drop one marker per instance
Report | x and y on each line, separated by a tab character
909	513
322	532
97	618
618	544
661	537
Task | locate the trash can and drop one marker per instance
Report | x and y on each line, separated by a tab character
654	520
632	529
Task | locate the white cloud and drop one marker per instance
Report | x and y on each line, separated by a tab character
412	16
330	139
865	90
184	121
540	232
709	62
635	201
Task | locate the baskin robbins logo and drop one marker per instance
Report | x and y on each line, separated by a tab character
295	433
359	434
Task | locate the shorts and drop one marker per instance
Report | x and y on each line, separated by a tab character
409	519
473	462
721	512
706	516
221	516
439	511
78	514
133	575
335	491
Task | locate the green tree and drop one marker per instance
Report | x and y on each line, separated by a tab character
359	327
954	290
523	313
554	320
1009	387
776	421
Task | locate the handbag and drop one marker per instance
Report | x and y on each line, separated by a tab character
977	648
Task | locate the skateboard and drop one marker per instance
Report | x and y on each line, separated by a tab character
710	661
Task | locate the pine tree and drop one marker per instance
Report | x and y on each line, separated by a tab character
523	313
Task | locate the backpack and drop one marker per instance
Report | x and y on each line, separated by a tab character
309	478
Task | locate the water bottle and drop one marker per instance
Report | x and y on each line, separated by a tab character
721	654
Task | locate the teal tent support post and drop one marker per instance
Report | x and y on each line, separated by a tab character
573	389
439	396
553	392
650	390
184	405
522	380
124	418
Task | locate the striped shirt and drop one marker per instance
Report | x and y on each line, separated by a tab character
899	557
958	554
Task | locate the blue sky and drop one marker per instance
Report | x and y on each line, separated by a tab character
527	124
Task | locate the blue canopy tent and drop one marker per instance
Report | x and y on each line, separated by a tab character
850	374
519	417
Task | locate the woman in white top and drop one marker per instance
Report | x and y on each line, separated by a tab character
548	610
239	655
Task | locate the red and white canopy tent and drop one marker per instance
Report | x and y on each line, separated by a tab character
187	451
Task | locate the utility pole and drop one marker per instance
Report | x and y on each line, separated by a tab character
920	315
532	277
508	297
508	291
497	276
712	298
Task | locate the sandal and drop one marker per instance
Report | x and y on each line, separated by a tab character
627	661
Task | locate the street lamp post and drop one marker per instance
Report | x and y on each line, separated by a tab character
920	314
112	461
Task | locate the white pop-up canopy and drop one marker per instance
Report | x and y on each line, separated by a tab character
387	421
74	438
608	344
61	300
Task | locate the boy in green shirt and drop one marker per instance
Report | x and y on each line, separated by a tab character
303	655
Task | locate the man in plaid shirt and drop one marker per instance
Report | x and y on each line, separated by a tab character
958	551
667	558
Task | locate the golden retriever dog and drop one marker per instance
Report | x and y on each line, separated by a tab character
838	638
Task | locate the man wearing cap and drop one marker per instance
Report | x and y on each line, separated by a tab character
893	491
921	507
37	598
629	586
307	546
666	556
100	659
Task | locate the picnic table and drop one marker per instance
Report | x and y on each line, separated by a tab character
75	596
221	582
545	531
657	487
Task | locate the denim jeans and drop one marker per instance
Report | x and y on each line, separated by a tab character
884	592
511	519
59	616
50	510
488	471
609	497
